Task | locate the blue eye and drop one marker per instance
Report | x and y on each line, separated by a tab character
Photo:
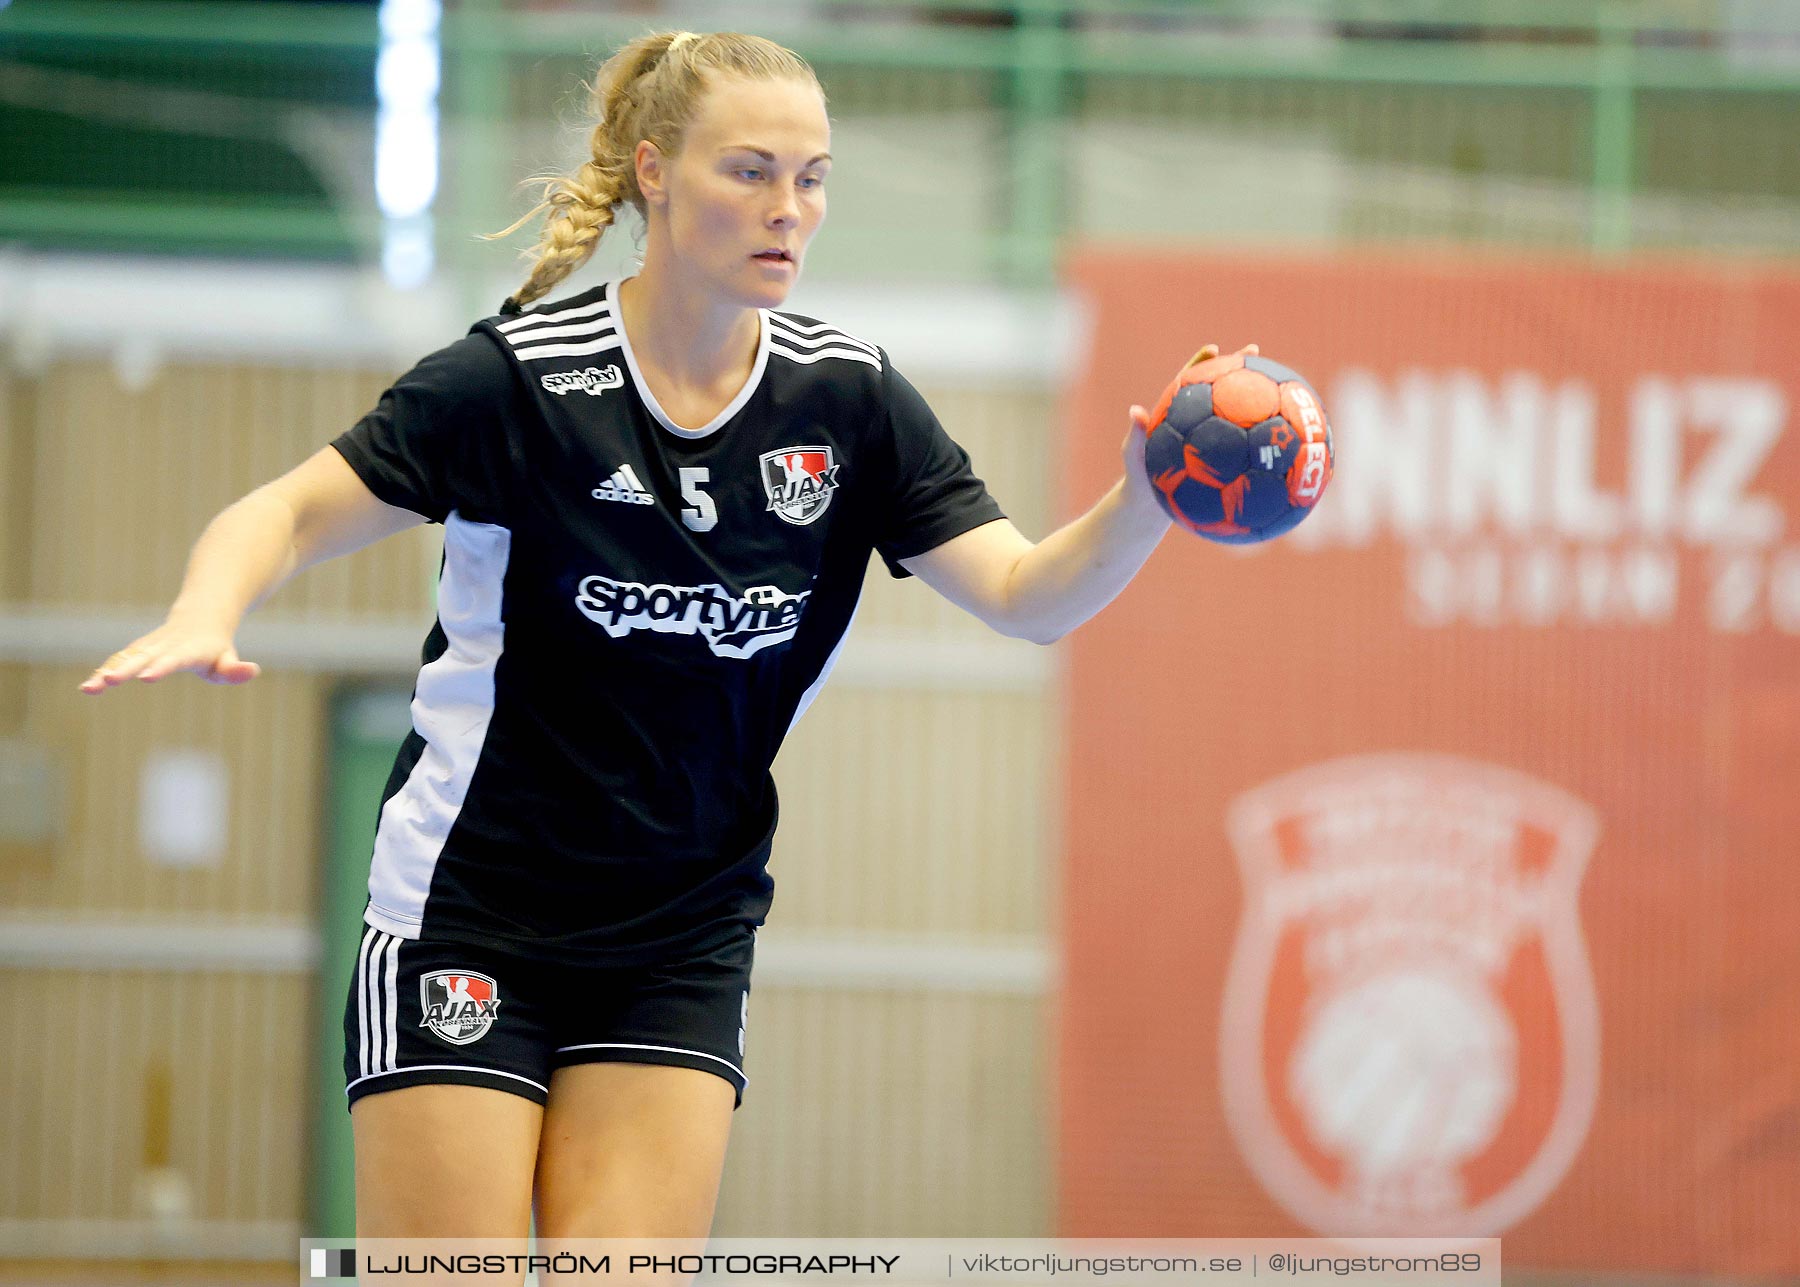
753	173
812	181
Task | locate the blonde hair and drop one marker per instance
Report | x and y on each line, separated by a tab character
650	90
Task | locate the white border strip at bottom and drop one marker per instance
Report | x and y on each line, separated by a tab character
174	1239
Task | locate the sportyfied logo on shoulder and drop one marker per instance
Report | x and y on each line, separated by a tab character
593	381
1410	1043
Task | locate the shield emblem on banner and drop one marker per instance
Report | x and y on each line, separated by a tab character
1410	1038
799	482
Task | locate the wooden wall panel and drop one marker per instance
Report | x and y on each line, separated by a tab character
1010	435
125	479
888	1114
915	812
112	1075
16	435
266	732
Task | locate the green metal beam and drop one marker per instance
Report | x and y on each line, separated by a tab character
1038	175
532	33
1371	62
1614	143
475	94
189	23
78	218
567	33
1491	17
1037	51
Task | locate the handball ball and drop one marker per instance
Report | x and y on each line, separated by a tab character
1239	450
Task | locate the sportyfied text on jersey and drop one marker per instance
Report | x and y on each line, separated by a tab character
731	626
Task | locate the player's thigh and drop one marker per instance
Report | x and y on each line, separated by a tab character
649	1066
438	1161
447	1068
632	1150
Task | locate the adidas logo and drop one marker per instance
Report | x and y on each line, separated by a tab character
624	486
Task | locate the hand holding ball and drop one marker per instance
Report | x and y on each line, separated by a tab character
1239	449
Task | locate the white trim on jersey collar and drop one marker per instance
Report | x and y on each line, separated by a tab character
643	388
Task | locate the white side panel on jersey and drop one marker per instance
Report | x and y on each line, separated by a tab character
812	690
451	709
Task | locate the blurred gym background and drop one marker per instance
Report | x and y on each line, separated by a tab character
226	226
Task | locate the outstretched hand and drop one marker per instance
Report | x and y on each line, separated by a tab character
1137	480
172	647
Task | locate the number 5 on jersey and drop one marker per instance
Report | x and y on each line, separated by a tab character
702	515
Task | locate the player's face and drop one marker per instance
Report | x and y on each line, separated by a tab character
747	191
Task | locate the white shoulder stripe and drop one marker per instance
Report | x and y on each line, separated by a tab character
805	328
568	350
793	327
604	307
820	341
598	326
854	355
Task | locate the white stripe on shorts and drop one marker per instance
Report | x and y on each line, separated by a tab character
492	1072
393	1004
378	1001
675	1050
362	998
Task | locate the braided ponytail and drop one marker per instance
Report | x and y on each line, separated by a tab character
648	90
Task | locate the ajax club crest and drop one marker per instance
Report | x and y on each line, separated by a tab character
1410	1044
458	1006
799	482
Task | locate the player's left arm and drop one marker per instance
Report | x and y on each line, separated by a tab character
1044	590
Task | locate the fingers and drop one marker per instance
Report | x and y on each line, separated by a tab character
1135	434
158	667
1211	351
116	669
1135	437
231	669
151	659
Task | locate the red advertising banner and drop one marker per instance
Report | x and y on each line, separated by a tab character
1435	869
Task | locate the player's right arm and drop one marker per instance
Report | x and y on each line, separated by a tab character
317	511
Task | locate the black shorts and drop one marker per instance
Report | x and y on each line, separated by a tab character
425	1011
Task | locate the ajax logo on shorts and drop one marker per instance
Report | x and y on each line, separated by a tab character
459	1006
1410	1038
799	482
593	381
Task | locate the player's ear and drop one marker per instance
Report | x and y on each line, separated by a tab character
652	172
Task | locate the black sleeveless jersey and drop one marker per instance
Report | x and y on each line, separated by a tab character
631	616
